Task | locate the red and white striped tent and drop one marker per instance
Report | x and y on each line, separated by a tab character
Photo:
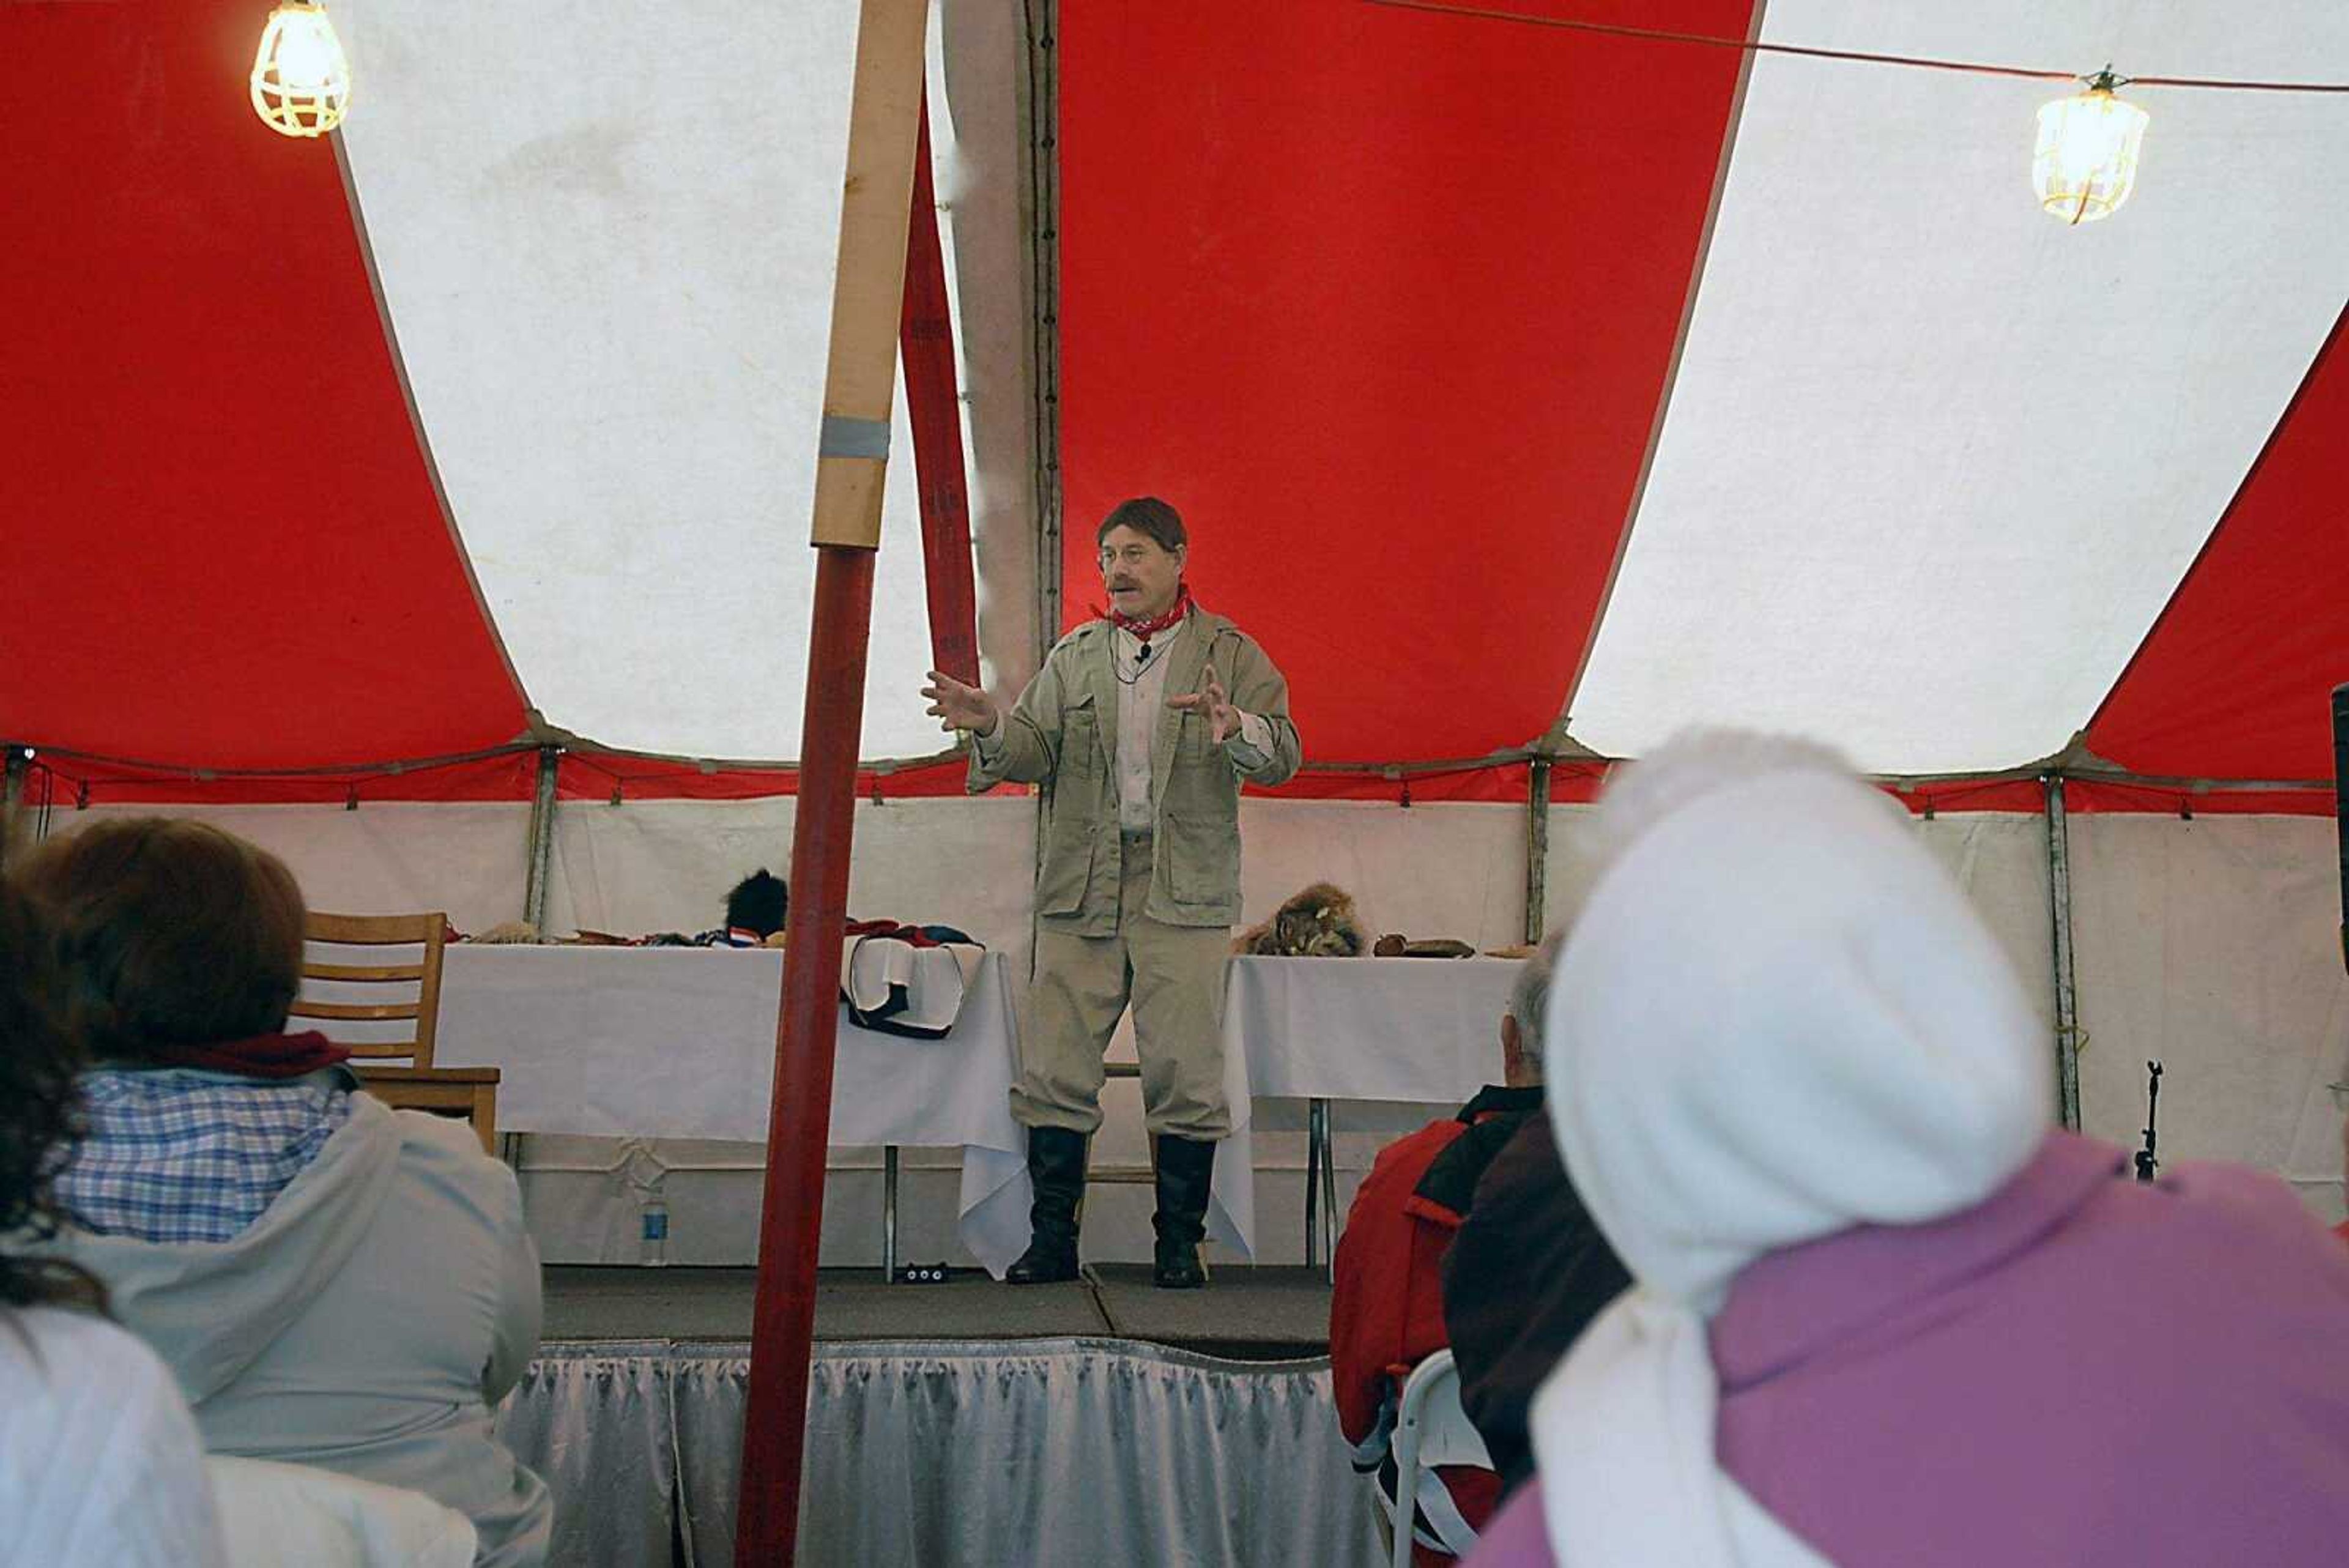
1531	392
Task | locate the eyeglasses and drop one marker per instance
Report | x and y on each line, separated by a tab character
1131	556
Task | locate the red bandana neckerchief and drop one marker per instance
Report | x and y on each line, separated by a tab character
262	1056
1146	628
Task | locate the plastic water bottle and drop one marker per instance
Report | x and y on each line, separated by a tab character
652	1248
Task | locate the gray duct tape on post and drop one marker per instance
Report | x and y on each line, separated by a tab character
845	437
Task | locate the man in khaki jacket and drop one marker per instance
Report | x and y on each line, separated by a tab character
1139	729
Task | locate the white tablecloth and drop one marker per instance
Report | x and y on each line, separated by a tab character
681	1042
1349	1029
1368	1028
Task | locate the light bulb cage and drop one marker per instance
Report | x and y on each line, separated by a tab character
303	107
2084	163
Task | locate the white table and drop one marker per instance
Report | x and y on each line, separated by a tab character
681	1042
1319	1029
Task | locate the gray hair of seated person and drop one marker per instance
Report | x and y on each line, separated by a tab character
1529	998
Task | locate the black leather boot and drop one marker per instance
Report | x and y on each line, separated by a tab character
1056	1170
1187	1168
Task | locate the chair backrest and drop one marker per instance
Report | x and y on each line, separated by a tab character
1431	1429
418	978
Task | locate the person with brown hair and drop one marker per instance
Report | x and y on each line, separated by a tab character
98	1460
1139	884
335	1283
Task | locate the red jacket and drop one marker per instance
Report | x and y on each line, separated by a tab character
1386	1309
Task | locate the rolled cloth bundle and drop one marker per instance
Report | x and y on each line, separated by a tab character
1777	1018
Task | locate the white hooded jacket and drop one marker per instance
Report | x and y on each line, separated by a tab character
1777	1018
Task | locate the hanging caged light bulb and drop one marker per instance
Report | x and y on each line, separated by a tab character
2085	162
301	80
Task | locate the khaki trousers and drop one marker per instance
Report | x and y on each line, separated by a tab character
1174	978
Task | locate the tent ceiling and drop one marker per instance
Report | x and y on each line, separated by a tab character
1388	316
1933	463
1390	304
2231	682
607	247
221	539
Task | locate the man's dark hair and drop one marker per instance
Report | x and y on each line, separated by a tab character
1148	515
171	933
760	902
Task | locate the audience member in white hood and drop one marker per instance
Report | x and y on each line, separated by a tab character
99	1466
332	1283
1884	1312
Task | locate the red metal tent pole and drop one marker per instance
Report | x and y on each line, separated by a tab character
783	1329
860	384
933	408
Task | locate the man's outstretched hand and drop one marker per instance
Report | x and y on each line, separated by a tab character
957	706
1223	718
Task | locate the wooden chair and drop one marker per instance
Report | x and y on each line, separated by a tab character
471	1093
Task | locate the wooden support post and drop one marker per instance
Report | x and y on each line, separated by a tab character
869	296
853	459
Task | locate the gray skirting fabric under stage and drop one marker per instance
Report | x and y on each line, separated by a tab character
1002	1454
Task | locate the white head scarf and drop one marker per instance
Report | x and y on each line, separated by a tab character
1777	1019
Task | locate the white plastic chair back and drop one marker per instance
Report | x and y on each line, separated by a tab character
295	1516
1431	1429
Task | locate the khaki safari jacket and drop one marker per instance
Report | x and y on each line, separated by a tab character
1062	734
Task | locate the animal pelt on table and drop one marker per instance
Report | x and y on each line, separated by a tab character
1319	923
1394	944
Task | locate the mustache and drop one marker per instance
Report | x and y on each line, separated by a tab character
1115	584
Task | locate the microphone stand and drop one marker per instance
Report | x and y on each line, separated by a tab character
2146	1164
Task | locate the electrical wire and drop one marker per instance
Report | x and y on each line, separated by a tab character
1862	57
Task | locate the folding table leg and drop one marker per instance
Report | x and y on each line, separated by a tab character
1316	1153
1329	1197
889	1214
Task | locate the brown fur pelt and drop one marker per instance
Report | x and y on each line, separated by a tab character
1319	923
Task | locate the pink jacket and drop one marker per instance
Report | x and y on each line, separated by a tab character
2080	1371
